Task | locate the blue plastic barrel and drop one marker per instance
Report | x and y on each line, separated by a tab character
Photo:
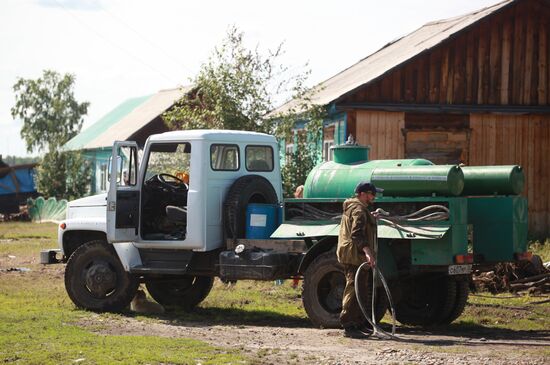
261	220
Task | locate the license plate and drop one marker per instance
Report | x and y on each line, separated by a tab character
460	269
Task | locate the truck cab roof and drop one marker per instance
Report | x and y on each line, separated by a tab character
213	135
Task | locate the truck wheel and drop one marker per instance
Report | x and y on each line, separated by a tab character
462	292
96	280
429	301
449	300
245	190
186	292
323	288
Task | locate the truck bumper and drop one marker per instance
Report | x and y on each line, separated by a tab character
50	256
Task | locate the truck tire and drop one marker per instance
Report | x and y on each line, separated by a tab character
430	300
448	303
185	292
462	292
245	190
323	288
96	280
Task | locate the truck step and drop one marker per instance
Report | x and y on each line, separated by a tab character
165	262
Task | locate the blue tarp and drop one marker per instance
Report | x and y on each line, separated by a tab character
18	180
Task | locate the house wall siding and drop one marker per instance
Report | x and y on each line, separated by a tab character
501	60
522	140
383	132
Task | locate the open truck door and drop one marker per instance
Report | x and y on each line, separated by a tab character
124	193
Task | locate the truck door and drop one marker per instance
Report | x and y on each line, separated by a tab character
124	193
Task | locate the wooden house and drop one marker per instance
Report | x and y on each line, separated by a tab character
471	89
134	120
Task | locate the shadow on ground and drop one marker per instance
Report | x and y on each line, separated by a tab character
472	334
231	317
454	334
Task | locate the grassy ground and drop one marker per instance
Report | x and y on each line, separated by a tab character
40	325
541	248
503	311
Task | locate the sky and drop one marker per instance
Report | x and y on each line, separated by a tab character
120	49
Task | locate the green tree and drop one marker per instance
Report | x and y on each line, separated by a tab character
15	160
238	88
235	89
63	175
49	111
51	116
307	142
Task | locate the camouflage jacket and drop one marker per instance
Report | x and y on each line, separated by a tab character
357	230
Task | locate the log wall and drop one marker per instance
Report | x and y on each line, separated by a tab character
500	60
383	132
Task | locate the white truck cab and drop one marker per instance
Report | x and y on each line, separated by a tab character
189	172
174	200
165	220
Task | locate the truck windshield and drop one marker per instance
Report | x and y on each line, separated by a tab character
169	158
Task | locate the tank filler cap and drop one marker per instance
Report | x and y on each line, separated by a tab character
351	141
350	153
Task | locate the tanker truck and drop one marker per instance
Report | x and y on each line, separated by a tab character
202	204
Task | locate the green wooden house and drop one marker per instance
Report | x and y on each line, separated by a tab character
135	119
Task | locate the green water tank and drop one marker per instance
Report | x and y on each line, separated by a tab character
493	180
441	180
408	177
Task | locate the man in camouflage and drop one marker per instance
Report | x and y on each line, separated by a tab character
356	246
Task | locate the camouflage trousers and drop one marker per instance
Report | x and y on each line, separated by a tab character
351	314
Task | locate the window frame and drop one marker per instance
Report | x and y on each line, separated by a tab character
229	145
103	176
150	150
289	149
259	145
328	154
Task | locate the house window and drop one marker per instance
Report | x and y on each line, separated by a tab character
289	150
103	177
328	153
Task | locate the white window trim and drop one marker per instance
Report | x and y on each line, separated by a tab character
328	153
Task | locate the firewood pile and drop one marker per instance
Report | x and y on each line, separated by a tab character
528	276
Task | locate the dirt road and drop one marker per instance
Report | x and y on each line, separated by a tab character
273	344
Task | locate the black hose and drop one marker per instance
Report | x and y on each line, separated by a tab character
442	214
377	331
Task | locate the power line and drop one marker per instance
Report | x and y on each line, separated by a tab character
168	78
176	61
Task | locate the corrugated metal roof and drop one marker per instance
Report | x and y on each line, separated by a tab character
82	139
125	120
392	55
138	118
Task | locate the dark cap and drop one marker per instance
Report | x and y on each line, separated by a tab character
365	186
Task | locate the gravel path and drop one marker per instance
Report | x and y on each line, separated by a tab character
283	345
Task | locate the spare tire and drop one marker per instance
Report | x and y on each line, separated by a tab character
245	190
